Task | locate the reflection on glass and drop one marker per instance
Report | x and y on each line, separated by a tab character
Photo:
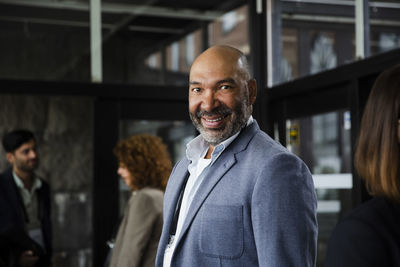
385	30
320	35
231	29
174	56
289	61
322	55
229	21
286	70
154	61
190	49
388	41
323	142
179	55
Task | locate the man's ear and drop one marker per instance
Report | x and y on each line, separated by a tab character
252	85
10	157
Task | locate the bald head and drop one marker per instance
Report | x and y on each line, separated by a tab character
223	56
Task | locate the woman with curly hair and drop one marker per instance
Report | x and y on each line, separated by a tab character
370	235
144	165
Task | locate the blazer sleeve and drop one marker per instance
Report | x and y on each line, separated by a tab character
355	243
284	213
139	226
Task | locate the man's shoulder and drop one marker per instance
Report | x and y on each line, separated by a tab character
262	143
182	163
263	151
6	176
6	185
6	172
253	135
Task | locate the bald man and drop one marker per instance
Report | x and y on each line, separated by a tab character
238	198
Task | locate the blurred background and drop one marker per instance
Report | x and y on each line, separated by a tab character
83	74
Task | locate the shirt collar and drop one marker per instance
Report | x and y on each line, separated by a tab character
198	147
18	181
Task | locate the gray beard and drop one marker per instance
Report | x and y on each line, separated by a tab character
240	117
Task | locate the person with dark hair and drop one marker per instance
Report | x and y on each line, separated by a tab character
238	198
25	224
144	166
370	235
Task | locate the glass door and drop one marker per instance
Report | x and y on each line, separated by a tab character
323	141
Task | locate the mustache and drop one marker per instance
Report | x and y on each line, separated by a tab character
221	111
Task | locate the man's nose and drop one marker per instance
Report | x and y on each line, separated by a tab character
209	100
33	153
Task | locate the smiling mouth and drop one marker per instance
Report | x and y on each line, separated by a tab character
213	122
215	119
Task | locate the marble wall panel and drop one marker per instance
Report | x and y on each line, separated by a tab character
64	128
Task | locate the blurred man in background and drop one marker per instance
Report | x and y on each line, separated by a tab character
25	226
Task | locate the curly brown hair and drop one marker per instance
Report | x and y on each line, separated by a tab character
147	159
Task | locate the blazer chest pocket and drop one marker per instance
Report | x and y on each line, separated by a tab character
221	234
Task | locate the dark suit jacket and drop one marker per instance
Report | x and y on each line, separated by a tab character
368	236
13	215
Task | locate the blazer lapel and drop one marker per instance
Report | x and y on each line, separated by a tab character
220	167
171	198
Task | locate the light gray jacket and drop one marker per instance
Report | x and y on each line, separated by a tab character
140	229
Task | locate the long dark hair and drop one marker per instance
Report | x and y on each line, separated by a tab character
377	156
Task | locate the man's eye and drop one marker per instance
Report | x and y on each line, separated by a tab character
226	87
196	89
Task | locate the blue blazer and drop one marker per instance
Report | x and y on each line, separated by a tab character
256	207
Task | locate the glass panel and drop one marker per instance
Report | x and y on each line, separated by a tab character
322	54
179	57
40	41
289	61
385	26
315	36
154	61
174	57
323	142
231	29
175	134
324	34
384	40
